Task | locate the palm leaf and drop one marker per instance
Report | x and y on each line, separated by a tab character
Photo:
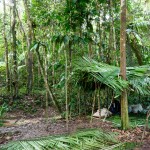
138	78
104	73
83	140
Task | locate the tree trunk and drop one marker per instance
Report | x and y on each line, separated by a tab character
46	76
15	74
99	103
112	36
124	101
93	106
104	37
45	80
21	25
53	66
100	30
66	90
30	39
111	48
90	49
6	48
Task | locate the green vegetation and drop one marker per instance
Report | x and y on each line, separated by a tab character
3	110
83	140
135	120
138	78
76	56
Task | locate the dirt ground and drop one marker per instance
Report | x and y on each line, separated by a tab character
19	126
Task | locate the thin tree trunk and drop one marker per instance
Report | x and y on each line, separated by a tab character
66	90
111	48
90	49
24	37
104	42
39	75
93	106
45	80
30	39
21	25
46	76
53	66
100	30
99	105
15	74
79	101
112	36
6	48
69	81
124	101
11	61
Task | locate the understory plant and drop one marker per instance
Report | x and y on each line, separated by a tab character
3	110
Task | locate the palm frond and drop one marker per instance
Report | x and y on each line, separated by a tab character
83	140
104	73
138	78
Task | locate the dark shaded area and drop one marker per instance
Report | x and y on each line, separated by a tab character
115	107
88	83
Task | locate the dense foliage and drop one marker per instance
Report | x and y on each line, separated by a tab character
67	30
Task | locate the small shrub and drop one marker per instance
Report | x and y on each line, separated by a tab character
3	110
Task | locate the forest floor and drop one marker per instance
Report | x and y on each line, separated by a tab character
20	126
